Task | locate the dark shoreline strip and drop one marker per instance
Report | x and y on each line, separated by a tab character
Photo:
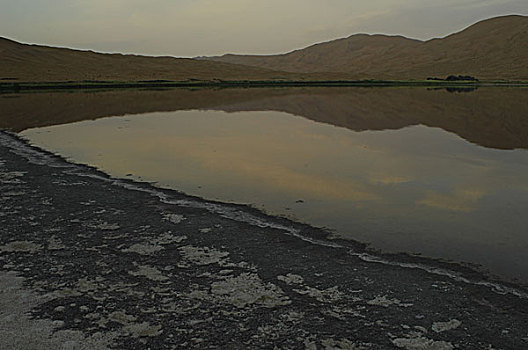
73	85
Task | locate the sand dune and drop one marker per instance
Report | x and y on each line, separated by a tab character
491	49
41	63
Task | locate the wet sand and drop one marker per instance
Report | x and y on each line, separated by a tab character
91	262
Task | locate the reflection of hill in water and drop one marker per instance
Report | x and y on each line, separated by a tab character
492	117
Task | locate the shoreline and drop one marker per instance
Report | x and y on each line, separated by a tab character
15	86
466	272
319	236
133	265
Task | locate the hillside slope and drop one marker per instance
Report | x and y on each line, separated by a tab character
491	49
22	62
495	48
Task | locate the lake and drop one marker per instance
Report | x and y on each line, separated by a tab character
443	174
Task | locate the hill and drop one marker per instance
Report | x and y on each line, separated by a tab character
491	49
22	62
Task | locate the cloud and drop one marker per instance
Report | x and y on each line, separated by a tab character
461	200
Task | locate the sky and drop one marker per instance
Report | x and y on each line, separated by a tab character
188	28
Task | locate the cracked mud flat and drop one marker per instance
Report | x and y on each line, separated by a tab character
89	262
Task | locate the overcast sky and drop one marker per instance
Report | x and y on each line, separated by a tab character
212	27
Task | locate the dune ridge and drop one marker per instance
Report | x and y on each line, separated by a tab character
490	49
23	62
493	49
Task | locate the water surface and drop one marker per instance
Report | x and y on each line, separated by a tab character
452	185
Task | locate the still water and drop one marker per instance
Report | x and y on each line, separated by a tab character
405	188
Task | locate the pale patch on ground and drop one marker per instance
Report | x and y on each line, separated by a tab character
143	249
309	345
68	183
445	326
293	316
344	313
67	292
87	285
168	238
247	289
149	272
421	343
121	317
119	235
386	302
130	327
143	329
54	243
420	329
103	225
344	344
291	279
325	296
328	295
11	177
19	331
202	255
8	194
205	230
242	264
174	218
20	246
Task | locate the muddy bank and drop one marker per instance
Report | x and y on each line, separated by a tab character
91	262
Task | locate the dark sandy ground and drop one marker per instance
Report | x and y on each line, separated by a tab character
89	262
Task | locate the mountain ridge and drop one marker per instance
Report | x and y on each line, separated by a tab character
494	48
37	63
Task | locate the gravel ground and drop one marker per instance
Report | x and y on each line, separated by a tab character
91	262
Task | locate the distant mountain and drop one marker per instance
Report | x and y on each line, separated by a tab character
22	62
495	48
492	49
